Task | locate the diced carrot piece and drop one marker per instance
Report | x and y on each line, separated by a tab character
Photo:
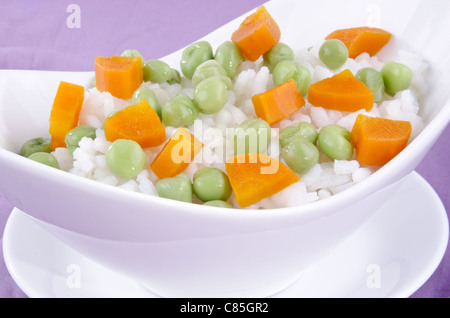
254	177
362	39
278	103
378	140
176	154
342	92
65	112
138	122
119	75
257	34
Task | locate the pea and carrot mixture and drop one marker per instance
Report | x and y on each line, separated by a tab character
275	142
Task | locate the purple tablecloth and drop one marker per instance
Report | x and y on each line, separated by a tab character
49	35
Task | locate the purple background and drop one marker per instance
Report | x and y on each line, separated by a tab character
34	36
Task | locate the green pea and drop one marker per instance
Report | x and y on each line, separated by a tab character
74	136
157	71
335	143
230	57
177	188
150	96
45	158
303	129
211	184
300	155
125	158
219	204
208	69
39	144
179	111
194	55
133	53
333	53
176	78
210	95
279	52
396	76
252	136
286	70
373	80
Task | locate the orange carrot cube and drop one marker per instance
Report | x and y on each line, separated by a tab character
378	140
119	75
254	177
257	34
278	103
342	92
138	122
176	154
362	39
65	112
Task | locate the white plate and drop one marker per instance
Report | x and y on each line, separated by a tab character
392	255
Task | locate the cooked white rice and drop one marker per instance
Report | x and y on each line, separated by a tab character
324	180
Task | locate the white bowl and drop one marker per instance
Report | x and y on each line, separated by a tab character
183	250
